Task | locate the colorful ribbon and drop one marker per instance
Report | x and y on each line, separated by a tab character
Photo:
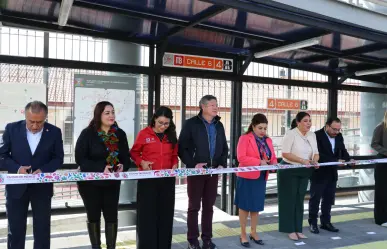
135	175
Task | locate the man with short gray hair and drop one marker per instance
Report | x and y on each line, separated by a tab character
203	143
30	146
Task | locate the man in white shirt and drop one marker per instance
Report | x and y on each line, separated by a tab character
30	146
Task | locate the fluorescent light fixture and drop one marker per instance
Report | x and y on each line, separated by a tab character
371	71
290	47
64	12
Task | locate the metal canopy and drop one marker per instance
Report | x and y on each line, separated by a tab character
228	28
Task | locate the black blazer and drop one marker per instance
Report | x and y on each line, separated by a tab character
15	152
194	146
327	155
91	153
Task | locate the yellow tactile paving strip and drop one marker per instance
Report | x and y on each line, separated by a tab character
221	230
372	245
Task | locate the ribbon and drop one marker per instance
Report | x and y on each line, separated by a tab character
76	176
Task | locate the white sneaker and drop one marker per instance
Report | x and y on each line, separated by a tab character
384	224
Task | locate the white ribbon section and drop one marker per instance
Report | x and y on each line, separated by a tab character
135	175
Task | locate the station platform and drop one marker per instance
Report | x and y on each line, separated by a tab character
355	221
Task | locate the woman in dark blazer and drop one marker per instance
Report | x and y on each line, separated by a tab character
102	147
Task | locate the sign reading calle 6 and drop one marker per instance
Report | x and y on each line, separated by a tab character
287	104
197	62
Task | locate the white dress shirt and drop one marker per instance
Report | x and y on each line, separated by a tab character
34	139
332	140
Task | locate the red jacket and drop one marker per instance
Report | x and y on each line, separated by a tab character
247	154
148	147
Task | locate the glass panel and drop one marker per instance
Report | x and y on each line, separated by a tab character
263	70
19	42
255	100
196	88
360	113
171	94
61	100
308	76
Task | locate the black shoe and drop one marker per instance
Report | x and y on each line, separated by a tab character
111	235
329	227
314	229
244	244
94	230
259	241
209	245
193	246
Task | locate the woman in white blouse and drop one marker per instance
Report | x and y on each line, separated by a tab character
299	146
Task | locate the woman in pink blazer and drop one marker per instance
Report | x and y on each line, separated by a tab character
254	149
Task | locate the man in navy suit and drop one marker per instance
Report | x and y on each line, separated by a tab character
30	146
323	182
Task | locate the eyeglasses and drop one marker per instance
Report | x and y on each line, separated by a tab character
163	124
335	130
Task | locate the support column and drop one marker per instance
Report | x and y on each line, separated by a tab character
46	46
289	113
183	111
151	84
332	96
120	52
333	79
236	131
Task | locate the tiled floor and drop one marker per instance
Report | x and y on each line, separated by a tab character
355	222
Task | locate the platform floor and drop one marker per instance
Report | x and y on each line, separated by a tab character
355	221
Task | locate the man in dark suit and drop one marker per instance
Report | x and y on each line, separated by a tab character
331	148
30	146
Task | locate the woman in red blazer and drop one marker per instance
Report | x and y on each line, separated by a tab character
155	148
254	149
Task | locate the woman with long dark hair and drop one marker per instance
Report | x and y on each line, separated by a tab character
102	147
156	148
254	149
299	146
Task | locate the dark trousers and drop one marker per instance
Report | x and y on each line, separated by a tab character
100	198
324	191
380	202
201	190
155	211
292	185
17	219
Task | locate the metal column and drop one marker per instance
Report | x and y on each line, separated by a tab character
46	46
333	79
151	83
289	113
183	108
236	130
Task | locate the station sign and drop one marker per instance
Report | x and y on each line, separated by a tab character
197	62
287	104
